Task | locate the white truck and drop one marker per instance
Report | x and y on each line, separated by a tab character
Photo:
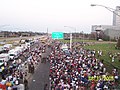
19	49
4	58
13	54
7	47
64	47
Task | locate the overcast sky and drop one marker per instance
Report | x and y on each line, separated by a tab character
38	15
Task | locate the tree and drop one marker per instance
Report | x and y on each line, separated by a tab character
92	36
106	38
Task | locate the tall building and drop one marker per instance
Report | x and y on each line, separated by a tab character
116	18
113	31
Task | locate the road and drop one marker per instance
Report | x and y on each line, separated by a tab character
17	38
41	75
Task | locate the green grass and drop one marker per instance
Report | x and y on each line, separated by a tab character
76	40
107	47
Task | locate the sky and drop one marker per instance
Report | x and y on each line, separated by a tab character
40	15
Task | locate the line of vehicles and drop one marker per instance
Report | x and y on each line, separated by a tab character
8	53
11	52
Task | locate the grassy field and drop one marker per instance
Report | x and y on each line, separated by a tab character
11	40
77	40
107	48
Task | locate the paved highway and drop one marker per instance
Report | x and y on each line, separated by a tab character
41	75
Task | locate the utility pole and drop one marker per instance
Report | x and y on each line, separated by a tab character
71	35
70	41
47	31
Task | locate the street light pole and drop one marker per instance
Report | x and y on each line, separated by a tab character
71	35
70	41
108	8
83	36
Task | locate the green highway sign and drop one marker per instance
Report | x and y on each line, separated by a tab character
57	35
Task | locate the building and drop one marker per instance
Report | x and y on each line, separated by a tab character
116	18
114	34
109	30
101	27
104	27
113	31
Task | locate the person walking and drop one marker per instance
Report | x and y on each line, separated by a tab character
26	83
46	87
32	68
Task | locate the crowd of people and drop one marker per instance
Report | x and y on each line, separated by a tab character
79	70
70	69
15	76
